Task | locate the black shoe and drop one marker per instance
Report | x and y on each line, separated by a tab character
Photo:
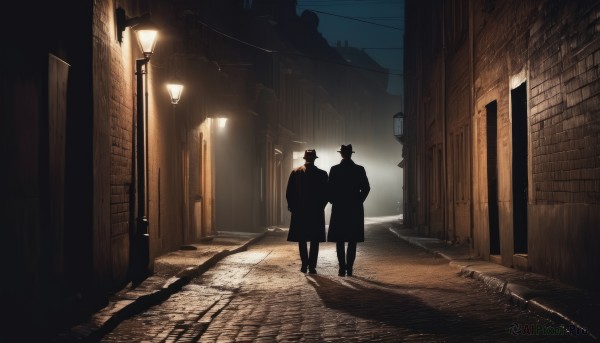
312	270
349	271
303	269
341	272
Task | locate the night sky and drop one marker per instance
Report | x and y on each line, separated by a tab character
374	25
377	26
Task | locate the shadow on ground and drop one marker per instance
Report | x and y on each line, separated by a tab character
387	306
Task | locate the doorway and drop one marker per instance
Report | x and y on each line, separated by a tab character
492	171
519	167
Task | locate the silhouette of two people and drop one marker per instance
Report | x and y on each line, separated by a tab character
309	189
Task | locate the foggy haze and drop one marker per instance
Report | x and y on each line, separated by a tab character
241	181
377	29
384	175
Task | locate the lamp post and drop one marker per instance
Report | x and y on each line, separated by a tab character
399	126
146	33
399	134
175	89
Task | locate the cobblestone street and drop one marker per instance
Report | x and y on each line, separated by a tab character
398	293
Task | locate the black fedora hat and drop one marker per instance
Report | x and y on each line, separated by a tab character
346	149
310	154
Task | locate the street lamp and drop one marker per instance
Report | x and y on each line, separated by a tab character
175	89
221	121
146	33
399	134
399	126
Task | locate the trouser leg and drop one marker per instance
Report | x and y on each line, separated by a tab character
303	253
313	254
341	254
351	254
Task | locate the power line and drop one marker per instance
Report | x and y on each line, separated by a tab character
350	2
236	39
353	18
382	48
270	51
380	18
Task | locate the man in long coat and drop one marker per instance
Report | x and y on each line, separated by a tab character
306	196
348	187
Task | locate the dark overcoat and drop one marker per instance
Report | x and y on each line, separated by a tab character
306	196
348	187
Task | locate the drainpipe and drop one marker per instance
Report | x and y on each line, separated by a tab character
471	114
444	200
141	240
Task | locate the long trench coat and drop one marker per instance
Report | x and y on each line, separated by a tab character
348	187
306	196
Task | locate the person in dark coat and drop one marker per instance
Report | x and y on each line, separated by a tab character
348	187
306	196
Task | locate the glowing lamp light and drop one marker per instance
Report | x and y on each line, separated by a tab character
145	30
175	91
221	122
146	33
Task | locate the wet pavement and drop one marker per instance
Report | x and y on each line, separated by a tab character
573	308
405	288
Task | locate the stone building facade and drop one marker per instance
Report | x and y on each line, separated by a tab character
503	124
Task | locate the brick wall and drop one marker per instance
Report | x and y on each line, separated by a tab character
553	48
113	101
565	124
565	82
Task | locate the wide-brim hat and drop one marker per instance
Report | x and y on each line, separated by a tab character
346	149
310	154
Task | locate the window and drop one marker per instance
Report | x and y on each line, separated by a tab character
435	175
460	164
456	13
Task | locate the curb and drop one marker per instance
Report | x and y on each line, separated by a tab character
112	315
519	295
416	242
